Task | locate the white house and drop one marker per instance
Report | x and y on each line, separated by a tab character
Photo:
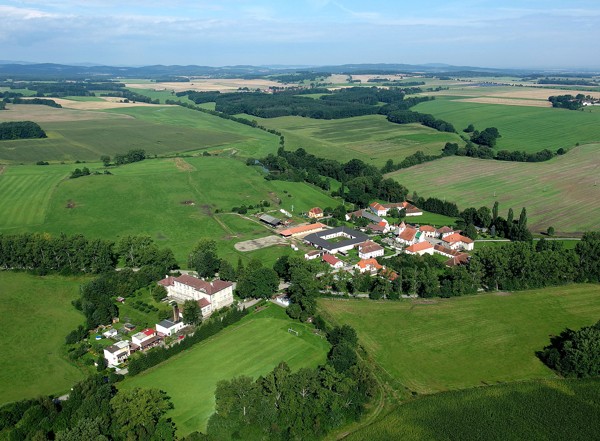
110	333
444	231
408	236
142	336
217	293
428	230
378	209
314	254
333	261
117	353
420	249
167	327
370	265
370	249
458	242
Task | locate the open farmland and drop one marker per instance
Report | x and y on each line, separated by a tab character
254	347
524	128
86	135
369	138
173	201
536	410
562	192
37	315
432	346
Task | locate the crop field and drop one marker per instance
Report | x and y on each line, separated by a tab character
369	138
525	128
436	345
252	348
173	201
540	410
562	192
37	315
86	135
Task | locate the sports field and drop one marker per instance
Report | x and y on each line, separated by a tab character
562	192
444	344
36	316
525	128
173	201
369	138
252	348
535	410
86	135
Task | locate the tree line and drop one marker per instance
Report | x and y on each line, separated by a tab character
21	130
569	102
37	101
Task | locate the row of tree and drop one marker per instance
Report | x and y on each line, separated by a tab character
38	101
21	130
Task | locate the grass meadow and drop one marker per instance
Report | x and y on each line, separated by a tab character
252	348
370	138
447	344
562	192
147	198
36	316
522	127
535	410
86	135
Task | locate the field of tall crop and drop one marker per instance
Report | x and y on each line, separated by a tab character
429	346
524	128
535	410
562	192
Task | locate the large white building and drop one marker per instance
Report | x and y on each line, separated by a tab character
211	296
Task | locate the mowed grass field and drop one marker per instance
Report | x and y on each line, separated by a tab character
36	316
562	192
86	135
147	198
438	345
370	138
536	410
252	348
525	128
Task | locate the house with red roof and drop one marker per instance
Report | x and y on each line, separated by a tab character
333	261
378	209
408	236
315	213
458	242
218	293
420	248
428	230
444	231
369	249
370	265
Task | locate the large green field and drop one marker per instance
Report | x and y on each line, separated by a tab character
252	348
86	135
536	410
36	316
562	192
522	128
147	198
369	138
437	345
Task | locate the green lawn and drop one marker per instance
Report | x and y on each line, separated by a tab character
369	138
535	410
37	315
437	345
146	199
562	192
252	348
522	128
434	219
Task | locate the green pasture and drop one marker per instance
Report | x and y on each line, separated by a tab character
159	130
562	192
147	198
36	316
252	348
533	410
433	219
524	128
445	344
369	138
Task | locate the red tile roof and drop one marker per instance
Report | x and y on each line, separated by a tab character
421	246
168	281
330	259
395	205
408	234
302	229
315	210
445	230
209	288
364	263
461	259
149	332
377	206
203	302
447	250
427	228
457	238
369	247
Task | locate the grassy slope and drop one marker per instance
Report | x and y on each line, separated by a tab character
369	138
467	341
561	192
252	348
36	315
522	128
145	198
540	410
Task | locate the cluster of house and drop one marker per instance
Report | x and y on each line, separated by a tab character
211	296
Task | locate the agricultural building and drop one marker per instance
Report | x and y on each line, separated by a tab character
336	240
302	230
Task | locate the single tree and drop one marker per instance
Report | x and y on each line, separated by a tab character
191	312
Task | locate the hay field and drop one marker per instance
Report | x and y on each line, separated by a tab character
100	103
507	101
509	92
448	344
207	84
562	192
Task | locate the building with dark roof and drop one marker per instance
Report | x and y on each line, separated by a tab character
269	220
335	240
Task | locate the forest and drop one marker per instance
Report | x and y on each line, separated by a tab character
21	130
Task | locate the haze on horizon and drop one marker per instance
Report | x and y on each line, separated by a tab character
507	34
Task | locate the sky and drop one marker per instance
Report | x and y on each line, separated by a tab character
500	33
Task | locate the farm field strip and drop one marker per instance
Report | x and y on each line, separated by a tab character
438	345
562	192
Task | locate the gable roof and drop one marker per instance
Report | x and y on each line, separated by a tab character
167	281
445	250
369	247
461	259
395	205
209	288
377	206
445	230
365	263
421	246
316	210
427	228
203	302
302	229
453	238
330	259
408	234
